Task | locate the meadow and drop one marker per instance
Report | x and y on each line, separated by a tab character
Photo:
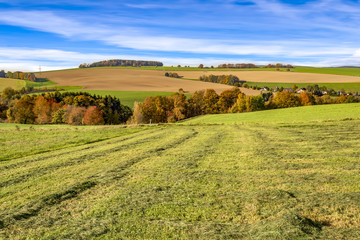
13	83
279	178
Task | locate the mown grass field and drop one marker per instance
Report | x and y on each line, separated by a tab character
276	180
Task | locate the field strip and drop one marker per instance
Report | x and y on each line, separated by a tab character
47	154
115	172
276	77
81	154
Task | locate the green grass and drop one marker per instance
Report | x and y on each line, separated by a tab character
285	115
234	181
13	83
41	83
355	87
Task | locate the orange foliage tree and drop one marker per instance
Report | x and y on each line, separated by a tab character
93	116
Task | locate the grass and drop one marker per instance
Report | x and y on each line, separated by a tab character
13	83
355	87
252	180
41	82
289	115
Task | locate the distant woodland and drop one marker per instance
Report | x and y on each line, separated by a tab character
61	108
18	75
238	65
121	63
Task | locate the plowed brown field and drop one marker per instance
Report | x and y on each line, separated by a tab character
280	77
131	80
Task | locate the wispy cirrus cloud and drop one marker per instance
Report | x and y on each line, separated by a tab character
313	32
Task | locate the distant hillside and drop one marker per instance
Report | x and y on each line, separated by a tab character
121	63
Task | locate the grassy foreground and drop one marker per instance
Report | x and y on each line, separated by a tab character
231	181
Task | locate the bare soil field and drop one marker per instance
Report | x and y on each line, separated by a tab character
276	77
131	80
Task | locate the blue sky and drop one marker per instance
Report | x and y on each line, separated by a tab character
62	33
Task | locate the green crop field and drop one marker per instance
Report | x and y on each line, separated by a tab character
13	83
289	177
354	87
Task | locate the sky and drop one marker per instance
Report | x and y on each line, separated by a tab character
60	34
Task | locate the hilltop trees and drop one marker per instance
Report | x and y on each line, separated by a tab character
19	75
238	65
223	79
121	63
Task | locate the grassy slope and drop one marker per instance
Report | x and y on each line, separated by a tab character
14	83
254	181
288	115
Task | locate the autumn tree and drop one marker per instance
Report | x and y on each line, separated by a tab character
195	104
227	99
286	99
180	106
307	99
22	112
59	116
210	102
43	109
93	116
74	115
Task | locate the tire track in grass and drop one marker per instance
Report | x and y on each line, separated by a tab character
33	209
178	161
73	149
86	156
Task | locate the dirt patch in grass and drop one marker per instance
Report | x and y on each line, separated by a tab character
131	80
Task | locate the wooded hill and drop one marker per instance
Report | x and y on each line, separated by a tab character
121	63
18	75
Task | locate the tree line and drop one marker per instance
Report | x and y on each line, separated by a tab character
166	109
238	65
121	63
222	79
18	75
279	65
172	74
62	108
